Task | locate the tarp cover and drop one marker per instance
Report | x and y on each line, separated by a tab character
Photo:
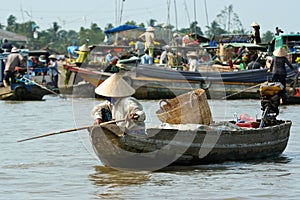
124	27
10	36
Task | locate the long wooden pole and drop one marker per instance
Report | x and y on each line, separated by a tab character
254	86
41	86
69	130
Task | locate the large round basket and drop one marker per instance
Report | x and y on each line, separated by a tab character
189	108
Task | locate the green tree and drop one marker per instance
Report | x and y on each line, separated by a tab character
267	36
11	23
229	20
214	30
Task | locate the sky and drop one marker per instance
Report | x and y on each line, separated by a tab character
71	15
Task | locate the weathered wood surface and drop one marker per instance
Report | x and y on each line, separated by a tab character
183	145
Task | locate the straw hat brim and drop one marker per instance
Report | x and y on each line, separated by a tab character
280	52
115	86
84	48
254	24
14	50
52	56
150	29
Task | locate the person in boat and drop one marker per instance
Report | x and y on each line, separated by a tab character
254	64
146	58
148	37
82	54
176	40
54	70
278	68
43	63
119	105
278	31
139	48
13	61
193	62
7	46
164	56
256	33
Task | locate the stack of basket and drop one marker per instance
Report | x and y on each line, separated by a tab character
189	108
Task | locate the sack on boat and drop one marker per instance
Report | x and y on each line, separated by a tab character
189	108
270	89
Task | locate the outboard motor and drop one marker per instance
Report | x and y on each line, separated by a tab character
270	101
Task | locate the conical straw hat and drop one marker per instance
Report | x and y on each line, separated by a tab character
254	24
150	29
280	52
115	86
84	48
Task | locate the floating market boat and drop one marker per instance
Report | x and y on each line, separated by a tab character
23	90
184	144
189	144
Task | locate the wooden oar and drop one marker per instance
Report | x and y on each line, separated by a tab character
41	86
254	86
70	130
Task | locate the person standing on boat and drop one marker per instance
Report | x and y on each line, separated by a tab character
139	47
278	68
119	105
148	36
82	54
54	70
13	60
256	33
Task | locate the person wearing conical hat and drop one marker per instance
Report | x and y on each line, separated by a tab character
278	68
82	54
148	37
193	61
13	61
53	66
119	105
256	33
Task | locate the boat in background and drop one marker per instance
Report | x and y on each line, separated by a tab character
23	90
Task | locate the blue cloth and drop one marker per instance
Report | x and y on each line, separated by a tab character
124	27
146	59
72	49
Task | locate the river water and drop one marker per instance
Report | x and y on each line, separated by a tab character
65	167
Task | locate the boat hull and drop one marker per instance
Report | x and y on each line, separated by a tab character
23	93
165	88
163	146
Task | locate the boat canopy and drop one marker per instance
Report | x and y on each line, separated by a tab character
124	27
247	45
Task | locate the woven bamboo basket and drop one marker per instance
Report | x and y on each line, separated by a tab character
189	108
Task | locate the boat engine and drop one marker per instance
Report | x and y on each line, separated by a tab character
270	101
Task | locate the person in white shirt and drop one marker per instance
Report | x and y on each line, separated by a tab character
164	56
148	36
54	70
193	61
119	105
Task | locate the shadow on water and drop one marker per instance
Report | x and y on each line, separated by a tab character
105	176
110	182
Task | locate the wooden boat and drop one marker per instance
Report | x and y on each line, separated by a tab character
187	144
152	82
22	91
